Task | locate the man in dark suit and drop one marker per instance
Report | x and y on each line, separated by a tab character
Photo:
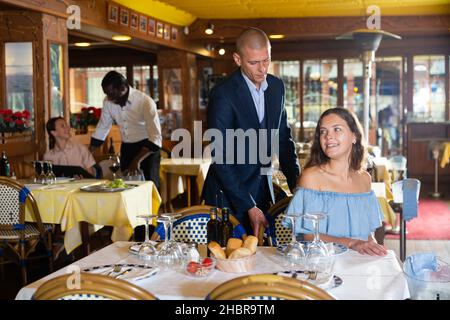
253	101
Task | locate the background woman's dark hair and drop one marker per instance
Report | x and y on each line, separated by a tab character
358	153
50	126
115	79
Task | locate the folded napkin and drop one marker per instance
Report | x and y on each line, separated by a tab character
421	265
131	273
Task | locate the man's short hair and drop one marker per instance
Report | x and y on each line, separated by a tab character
253	38
115	79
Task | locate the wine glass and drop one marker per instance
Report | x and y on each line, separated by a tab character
37	170
318	258
114	164
50	176
42	178
147	250
294	251
171	253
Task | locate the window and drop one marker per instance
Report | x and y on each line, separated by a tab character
19	77
354	87
56	80
86	86
319	89
429	88
142	79
289	72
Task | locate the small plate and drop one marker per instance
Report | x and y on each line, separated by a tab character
337	247
105	188
137	272
302	275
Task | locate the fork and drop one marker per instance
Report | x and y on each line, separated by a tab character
123	273
117	268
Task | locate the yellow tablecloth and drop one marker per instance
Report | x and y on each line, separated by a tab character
445	154
174	170
66	205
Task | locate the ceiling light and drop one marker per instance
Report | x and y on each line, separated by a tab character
209	29
420	68
82	44
121	37
221	51
276	36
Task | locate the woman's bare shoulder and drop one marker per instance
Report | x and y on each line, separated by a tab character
364	179
309	178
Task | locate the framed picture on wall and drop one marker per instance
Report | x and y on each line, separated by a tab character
151	26
174	34
143	24
113	13
134	20
159	29
166	32
124	17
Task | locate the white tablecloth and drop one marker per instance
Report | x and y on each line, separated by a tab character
364	277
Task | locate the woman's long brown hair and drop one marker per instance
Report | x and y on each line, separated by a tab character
358	153
51	126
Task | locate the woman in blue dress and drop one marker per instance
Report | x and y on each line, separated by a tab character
335	182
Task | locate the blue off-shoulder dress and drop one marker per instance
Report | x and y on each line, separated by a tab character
351	215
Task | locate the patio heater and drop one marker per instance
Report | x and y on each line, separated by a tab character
368	41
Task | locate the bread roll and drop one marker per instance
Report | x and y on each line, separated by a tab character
251	242
240	253
216	250
233	244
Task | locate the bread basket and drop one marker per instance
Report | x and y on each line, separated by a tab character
245	264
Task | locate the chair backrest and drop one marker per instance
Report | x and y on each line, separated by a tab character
278	234
87	286
191	226
267	287
13	198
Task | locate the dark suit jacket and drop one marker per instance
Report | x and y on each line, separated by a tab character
231	107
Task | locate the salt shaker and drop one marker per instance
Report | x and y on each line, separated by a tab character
192	253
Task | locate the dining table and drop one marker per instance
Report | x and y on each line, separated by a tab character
69	203
362	277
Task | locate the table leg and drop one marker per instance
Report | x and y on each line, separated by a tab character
85	248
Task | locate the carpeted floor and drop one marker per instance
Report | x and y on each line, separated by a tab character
432	223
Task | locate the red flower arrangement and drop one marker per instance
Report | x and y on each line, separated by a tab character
87	116
14	121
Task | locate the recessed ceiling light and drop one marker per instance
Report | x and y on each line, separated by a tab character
221	51
82	44
209	29
121	37
276	36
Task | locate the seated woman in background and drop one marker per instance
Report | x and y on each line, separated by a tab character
63	151
335	183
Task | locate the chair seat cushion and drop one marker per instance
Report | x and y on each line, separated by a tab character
30	231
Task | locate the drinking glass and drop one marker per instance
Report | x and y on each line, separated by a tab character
318	259
42	178
114	164
50	176
147	250
171	252
294	251
37	170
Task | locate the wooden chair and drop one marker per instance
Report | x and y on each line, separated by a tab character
19	236
267	287
191	226
87	286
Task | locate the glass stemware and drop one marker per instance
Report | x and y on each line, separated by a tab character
294	251
318	259
37	170
147	251
50	176
114	164
171	252
42	178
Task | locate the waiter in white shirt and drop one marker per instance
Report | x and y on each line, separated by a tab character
136	115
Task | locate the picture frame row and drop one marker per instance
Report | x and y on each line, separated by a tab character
142	23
